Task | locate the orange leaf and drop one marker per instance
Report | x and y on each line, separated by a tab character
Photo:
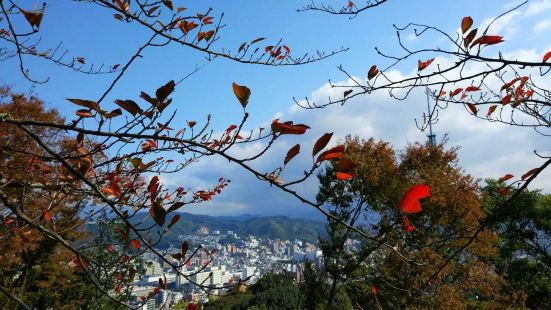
200	36
373	289
344	176
321	143
410	201
421	65
136	244
334	153
529	173
242	93
207	20
209	35
466	23
47	216
505	177
292	153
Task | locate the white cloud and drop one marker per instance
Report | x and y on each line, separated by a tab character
538	7
544	25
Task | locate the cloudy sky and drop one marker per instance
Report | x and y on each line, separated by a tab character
487	150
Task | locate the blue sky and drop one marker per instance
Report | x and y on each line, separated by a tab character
91	32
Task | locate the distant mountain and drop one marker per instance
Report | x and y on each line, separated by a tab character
275	227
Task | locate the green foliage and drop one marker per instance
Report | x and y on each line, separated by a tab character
275	227
370	202
274	291
524	242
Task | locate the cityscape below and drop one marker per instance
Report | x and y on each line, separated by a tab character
234	261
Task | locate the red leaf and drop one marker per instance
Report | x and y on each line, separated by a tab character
503	191
130	106
84	113
345	165
292	153
153	185
85	103
547	56
168	4
174	220
257	40
47	216
81	60
373	289
321	143
334	153
487	40
288	128
472	88
529	173
175	206
455	92
421	65
473	108
136	244
230	128
491	110
506	100
207	20
344	176
350	4
406	225
110	248
373	71
470	37
506	177
185	247
410	201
